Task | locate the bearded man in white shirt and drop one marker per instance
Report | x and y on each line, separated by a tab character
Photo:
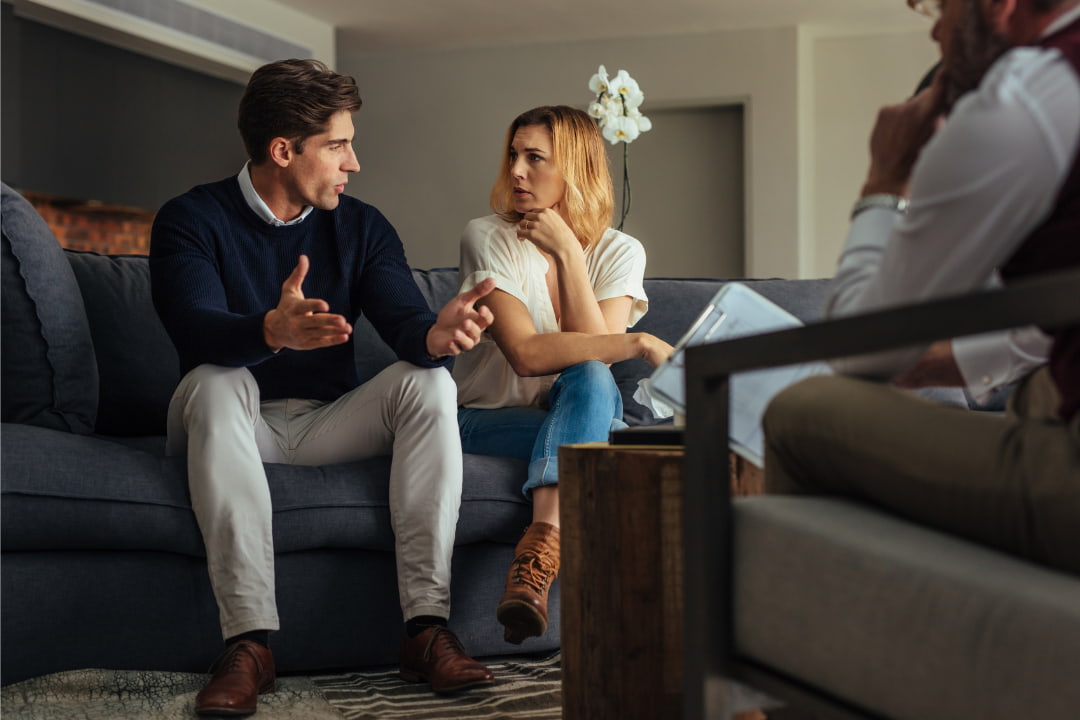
977	175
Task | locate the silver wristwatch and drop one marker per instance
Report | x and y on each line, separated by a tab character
896	203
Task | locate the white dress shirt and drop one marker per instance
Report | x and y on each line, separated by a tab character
256	203
981	185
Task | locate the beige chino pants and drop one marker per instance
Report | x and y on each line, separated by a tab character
217	419
1010	481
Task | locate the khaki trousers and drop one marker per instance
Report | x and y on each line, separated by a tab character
1010	481
216	417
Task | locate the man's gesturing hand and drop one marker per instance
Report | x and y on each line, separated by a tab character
301	323
460	322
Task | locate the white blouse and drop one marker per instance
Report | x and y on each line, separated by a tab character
490	249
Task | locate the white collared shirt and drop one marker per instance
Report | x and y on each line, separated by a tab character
981	185
260	207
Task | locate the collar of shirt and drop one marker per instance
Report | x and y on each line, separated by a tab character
261	208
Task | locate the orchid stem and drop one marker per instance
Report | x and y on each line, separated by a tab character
627	196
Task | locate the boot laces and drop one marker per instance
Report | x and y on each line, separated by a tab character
534	569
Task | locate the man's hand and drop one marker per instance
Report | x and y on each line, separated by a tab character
936	368
301	323
460	322
898	137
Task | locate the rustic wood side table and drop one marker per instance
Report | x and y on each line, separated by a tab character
621	581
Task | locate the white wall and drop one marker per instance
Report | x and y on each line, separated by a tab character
852	78
431	129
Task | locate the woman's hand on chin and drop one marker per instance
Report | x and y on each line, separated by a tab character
546	229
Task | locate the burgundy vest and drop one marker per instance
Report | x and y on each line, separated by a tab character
1055	245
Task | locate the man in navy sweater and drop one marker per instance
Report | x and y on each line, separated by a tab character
256	278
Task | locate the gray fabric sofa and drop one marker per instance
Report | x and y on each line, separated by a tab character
103	564
855	611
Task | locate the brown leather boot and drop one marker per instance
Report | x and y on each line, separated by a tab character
523	608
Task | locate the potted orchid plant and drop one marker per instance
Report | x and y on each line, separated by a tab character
617	112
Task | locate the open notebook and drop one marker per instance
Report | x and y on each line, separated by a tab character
736	311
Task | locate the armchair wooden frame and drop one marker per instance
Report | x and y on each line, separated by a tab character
710	657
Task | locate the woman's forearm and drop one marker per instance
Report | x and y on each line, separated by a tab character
580	312
547	353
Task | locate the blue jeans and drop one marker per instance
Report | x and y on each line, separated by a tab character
585	405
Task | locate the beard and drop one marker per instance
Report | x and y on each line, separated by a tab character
974	47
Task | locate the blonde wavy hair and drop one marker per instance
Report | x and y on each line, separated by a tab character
579	156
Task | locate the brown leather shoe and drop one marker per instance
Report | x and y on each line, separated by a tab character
523	608
436	656
244	671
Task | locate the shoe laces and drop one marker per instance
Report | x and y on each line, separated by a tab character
449	639
534	569
230	660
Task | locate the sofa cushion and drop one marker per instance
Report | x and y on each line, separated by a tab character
138	367
50	374
865	606
370	352
439	285
70	492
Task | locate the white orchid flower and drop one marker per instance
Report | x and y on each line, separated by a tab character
626	87
616	112
621	129
599	82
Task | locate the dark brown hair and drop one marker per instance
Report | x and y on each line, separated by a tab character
293	99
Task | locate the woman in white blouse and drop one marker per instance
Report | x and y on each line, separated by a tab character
567	288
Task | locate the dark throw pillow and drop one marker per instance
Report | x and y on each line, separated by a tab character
137	363
49	376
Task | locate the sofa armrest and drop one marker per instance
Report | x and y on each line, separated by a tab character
1048	301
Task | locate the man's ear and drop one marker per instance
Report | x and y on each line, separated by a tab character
999	15
281	151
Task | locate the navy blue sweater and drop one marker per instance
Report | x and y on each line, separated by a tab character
216	269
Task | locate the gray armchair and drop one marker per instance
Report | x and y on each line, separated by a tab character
845	611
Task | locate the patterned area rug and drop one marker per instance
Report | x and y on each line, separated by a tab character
525	688
127	695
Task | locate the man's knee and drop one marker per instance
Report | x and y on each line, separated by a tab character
797	403
218	376
787	419
431	388
216	383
